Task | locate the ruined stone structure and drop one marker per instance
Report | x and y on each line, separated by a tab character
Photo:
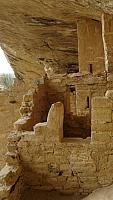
63	138
10	101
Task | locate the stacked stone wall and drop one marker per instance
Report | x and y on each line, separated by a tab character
10	101
69	165
76	92
34	109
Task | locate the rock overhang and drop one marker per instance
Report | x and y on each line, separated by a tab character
35	34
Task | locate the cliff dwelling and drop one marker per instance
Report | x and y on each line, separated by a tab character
56	119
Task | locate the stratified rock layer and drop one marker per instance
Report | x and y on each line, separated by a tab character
38	34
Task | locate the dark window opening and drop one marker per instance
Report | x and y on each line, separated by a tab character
88	102
72	88
95	20
72	64
76	126
72	68
91	68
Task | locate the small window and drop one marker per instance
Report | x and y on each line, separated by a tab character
72	88
91	68
87	102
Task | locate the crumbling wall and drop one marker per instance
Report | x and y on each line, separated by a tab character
10	101
69	165
11	181
49	163
34	108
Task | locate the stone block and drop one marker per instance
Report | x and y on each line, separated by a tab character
4	192
89	183
101	102
103	115
12	158
56	116
28	97
9	175
101	126
109	95
11	147
101	137
40	126
22	123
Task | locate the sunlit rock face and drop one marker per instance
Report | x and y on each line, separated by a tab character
43	34
105	193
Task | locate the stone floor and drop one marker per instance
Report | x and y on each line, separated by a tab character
48	195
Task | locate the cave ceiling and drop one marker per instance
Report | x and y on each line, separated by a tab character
42	34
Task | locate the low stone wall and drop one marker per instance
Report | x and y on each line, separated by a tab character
48	162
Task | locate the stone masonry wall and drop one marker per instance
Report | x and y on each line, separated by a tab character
10	101
11	181
69	165
90	46
49	163
107	33
102	137
46	160
34	108
75	92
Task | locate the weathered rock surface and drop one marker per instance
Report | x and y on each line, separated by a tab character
105	193
38	34
38	37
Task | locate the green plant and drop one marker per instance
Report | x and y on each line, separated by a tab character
6	80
